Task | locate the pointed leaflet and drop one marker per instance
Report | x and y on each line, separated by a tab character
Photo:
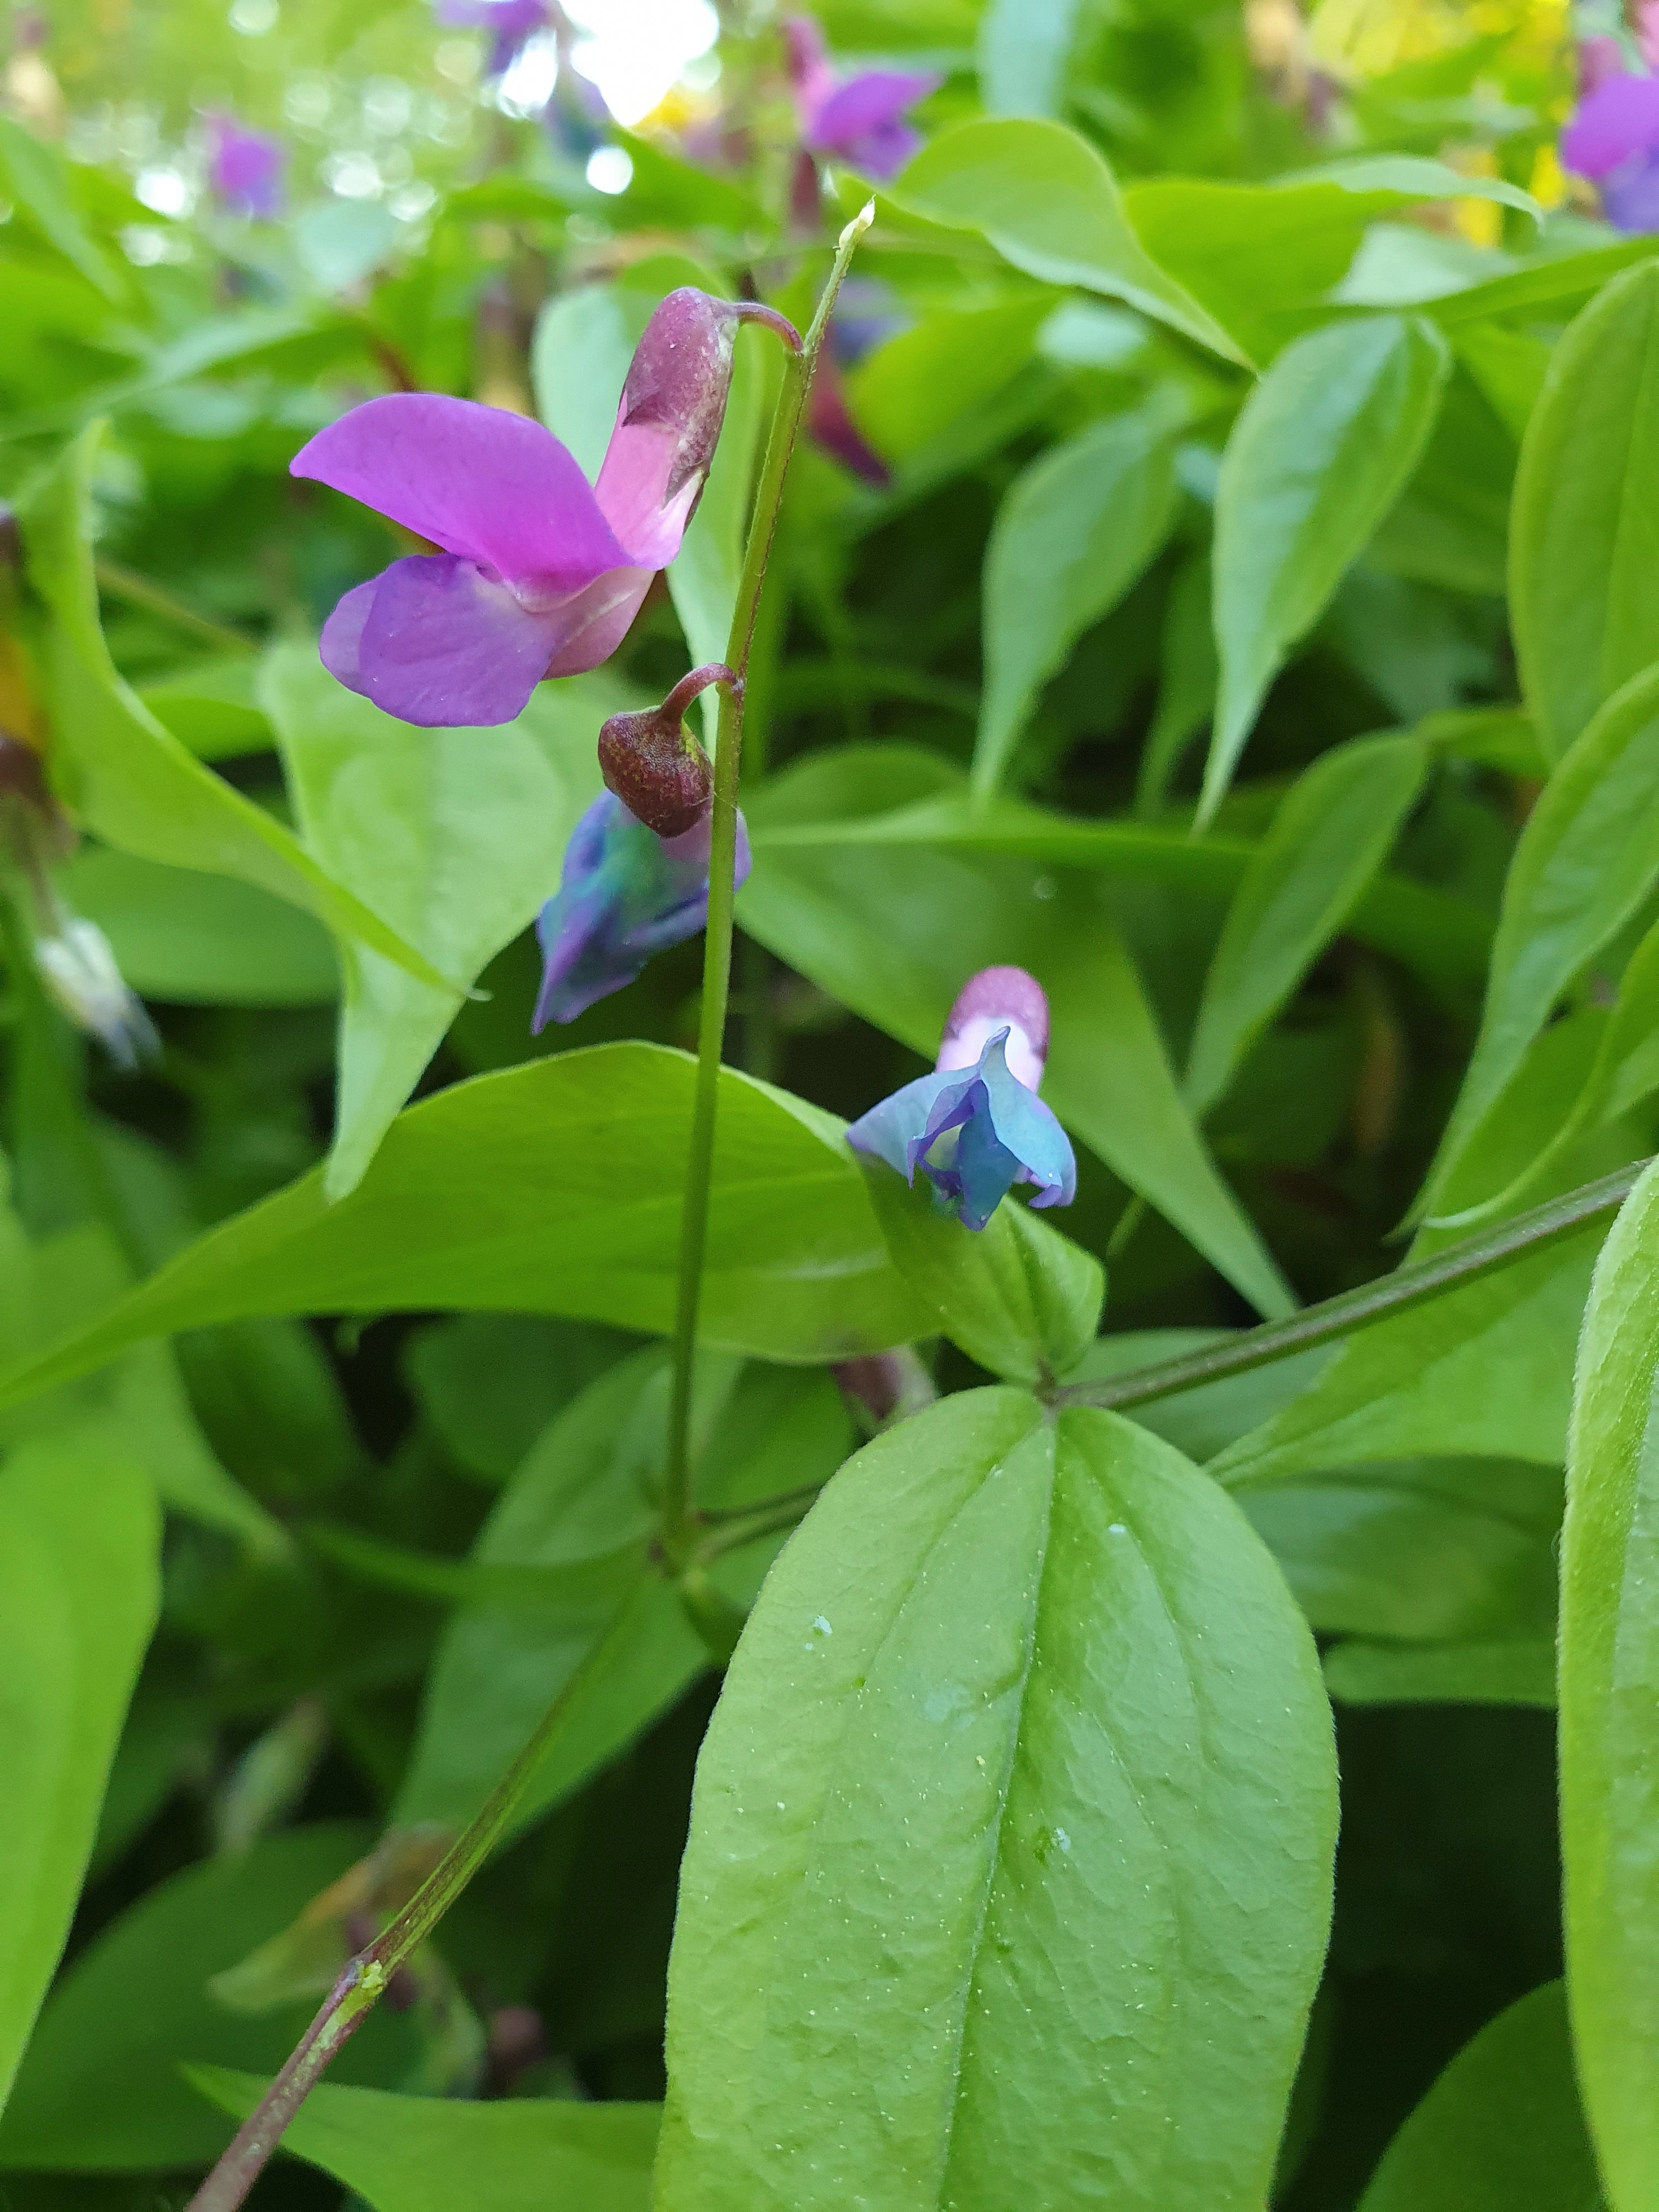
1073	533
80	1585
1584	536
555	1187
1500	2129
894	930
1586	859
1321	451
435	2154
1609	1683
1329	838
455	836
1048	203
1010	1852
122	775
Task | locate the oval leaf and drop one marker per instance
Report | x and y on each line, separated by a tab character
1010	1852
1584	536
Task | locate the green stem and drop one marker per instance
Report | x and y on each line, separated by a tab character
366	1977
1446	1270
722	893
123	583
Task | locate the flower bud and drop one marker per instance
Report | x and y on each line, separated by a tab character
999	999
662	776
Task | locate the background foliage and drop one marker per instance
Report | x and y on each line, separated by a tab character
1226	590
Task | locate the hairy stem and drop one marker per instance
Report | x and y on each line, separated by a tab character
1445	1270
365	1977
722	861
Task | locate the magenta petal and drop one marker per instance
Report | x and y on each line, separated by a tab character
1620	118
340	646
866	104
495	487
587	629
442	644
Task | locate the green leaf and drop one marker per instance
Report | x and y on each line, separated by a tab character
1419	1551
35	175
1074	531
435	2154
1009	1863
1500	2129
1584	862
1484	1369
555	1187
1394	179
202	940
1329	838
489	1384
1323	449
1017	1296
1023	48
1187	681
125	778
1585	536
585	1502
80	1588
1046	200
894	933
100	2090
1609	1677
454	834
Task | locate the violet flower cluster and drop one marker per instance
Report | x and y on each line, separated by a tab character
1613	136
538	573
245	168
975	1127
510	25
860	120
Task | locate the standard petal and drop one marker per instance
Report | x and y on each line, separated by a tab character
1619	119
866	104
442	646
1630	197
672	405
880	153
495	487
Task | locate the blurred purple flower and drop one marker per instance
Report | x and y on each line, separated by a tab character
245	168
975	1127
538	573
624	894
861	122
511	24
829	424
1613	139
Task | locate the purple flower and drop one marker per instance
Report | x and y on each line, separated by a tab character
245	168
861	122
624	894
511	24
829	424
538	573
975	1127
1613	139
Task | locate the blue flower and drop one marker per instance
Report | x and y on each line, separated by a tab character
624	895
975	1127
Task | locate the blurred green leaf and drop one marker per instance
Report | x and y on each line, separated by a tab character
80	1588
202	940
1609	1667
35	176
432	2153
1022	1751
455	834
1074	531
1501	2128
1024	48
1520	1673
122	773
1329	837
585	1497
1585	540
1323	447
101	2089
1585	860
1049	204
